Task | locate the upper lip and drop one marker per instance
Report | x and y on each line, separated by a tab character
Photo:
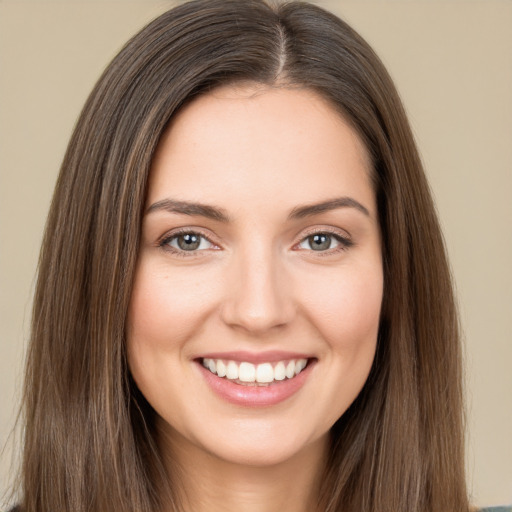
256	357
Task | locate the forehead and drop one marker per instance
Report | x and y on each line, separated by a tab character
248	140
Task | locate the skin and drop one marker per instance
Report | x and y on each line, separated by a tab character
256	153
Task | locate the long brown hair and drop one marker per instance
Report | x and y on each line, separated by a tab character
90	442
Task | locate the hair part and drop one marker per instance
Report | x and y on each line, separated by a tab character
90	438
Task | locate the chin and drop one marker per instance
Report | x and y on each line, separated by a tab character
263	446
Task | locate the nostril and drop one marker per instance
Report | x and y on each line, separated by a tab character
257	297
257	317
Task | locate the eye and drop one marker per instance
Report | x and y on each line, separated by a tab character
186	241
322	242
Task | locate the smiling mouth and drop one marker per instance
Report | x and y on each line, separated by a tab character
249	374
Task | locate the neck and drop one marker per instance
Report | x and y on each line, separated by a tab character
206	483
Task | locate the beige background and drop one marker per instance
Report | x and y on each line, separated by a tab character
452	62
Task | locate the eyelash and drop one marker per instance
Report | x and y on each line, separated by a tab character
164	242
344	241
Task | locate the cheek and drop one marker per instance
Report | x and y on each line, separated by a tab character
346	307
346	312
167	306
166	310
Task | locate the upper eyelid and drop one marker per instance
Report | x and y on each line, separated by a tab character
340	234
345	242
164	245
181	231
304	234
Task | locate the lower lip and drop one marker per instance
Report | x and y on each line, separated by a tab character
256	396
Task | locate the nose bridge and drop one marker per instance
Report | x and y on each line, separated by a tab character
257	297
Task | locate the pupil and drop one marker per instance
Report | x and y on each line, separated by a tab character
320	242
188	242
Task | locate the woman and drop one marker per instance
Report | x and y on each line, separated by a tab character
243	297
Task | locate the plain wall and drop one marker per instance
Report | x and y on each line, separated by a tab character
452	63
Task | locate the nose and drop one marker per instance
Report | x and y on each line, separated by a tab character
258	296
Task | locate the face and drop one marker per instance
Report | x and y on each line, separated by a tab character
255	310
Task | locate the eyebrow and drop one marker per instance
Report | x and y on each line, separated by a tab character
190	208
219	214
332	204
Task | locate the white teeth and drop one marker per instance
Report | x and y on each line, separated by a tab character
232	371
221	368
263	373
247	372
280	371
300	365
290	369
